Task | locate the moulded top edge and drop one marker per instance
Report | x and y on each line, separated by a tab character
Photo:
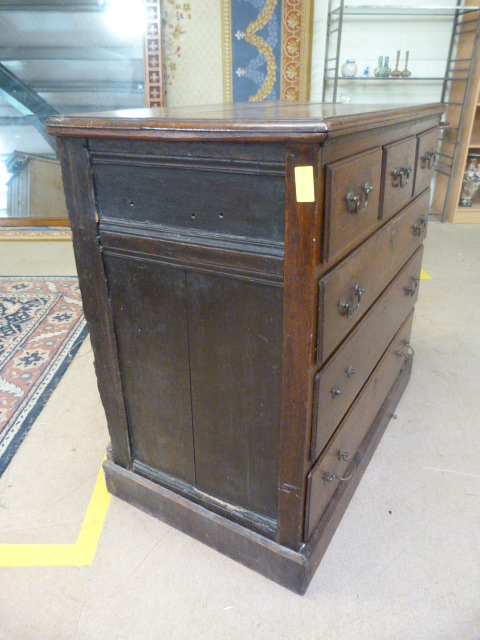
250	120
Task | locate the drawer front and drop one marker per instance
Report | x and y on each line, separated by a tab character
352	201
398	175
337	384
347	292
194	200
427	149
334	466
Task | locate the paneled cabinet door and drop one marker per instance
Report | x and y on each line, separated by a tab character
150	318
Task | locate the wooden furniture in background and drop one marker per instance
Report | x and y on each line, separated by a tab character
35	190
463	115
249	274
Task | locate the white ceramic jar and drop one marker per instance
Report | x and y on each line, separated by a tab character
349	69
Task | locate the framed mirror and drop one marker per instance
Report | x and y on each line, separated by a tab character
59	56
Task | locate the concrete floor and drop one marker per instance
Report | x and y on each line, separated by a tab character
404	563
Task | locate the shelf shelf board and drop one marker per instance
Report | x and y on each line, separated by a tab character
389	79
474	144
403	11
468	215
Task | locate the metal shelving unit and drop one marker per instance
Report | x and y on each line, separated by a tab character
465	20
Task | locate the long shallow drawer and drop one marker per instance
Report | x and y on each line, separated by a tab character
337	384
352	201
398	175
347	292
427	152
194	197
337	464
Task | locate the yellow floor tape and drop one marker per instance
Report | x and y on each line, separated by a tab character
424	275
79	554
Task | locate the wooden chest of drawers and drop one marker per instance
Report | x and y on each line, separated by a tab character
249	274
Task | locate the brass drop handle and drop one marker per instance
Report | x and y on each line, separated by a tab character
428	159
408	355
354	202
347	308
421	227
402	176
411	289
342	455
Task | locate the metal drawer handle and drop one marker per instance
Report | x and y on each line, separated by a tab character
411	289
428	159
346	307
421	227
408	355
354	202
400	174
342	455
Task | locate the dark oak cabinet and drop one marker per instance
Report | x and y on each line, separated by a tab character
249	274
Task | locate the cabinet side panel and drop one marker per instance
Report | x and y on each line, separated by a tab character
80	201
235	346
150	318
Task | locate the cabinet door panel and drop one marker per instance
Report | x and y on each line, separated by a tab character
150	319
235	329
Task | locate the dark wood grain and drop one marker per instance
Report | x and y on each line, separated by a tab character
353	429
269	121
199	199
302	249
149	302
371	266
293	570
324	531
235	342
339	381
427	143
216	307
396	156
345	228
80	199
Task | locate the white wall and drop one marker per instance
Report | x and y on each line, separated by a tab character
366	38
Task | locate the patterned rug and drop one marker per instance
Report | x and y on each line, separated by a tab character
35	233
41	328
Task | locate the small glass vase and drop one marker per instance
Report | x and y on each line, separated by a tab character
386	71
378	70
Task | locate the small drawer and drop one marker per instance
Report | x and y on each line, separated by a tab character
337	384
335	465
398	175
426	156
352	201
347	292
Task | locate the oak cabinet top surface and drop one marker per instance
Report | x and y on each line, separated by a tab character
280	120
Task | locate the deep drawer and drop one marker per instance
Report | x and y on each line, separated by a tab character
352	200
347	292
398	175
334	466
337	384
427	149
